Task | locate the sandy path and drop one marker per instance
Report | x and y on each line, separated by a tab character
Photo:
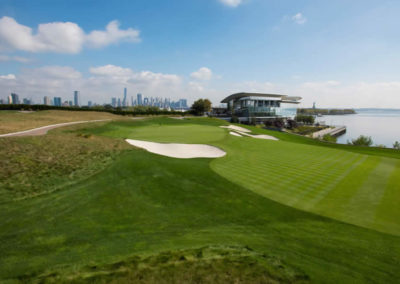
182	151
43	130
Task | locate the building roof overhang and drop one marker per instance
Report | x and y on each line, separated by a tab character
284	98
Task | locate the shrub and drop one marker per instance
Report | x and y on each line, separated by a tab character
268	123
329	138
361	141
291	124
279	123
234	119
396	145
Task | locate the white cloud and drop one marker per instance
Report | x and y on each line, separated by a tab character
202	74
60	37
112	35
299	19
7	77
231	3
14	58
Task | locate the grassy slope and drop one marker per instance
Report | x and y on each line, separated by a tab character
30	166
12	121
144	204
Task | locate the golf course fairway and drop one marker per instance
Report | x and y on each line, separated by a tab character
294	210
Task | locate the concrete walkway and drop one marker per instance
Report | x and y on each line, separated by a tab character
43	130
331	131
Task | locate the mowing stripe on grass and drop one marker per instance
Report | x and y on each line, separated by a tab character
388	211
361	209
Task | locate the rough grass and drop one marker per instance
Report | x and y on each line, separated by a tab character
13	121
133	221
206	264
30	166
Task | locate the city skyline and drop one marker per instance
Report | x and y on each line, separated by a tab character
335	54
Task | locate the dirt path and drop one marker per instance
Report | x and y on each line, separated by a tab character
43	130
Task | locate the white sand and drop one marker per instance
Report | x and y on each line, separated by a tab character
234	134
241	131
182	151
261	136
236	128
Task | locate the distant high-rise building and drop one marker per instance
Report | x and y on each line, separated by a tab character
125	102
139	99
89	103
76	98
46	100
9	98
70	103
114	102
119	102
1	102
183	103
146	101
313	105
27	101
14	99
57	101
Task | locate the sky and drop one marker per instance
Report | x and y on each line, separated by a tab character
335	53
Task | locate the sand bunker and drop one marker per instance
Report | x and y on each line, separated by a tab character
241	131
234	134
237	128
182	151
261	136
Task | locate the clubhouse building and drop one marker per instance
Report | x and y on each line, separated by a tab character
261	107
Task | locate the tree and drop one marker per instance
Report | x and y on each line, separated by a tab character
201	106
307	119
362	141
396	145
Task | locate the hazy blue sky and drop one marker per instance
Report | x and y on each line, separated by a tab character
336	53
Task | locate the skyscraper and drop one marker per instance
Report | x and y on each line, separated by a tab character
9	98
57	101
76	98
114	102
46	100
14	98
139	99
26	101
125	102
119	102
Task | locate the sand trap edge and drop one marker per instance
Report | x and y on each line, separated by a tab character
180	151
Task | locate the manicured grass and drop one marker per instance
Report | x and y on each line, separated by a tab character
13	121
137	217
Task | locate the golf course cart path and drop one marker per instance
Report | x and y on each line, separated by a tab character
181	151
43	130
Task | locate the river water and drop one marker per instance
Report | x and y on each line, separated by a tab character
383	125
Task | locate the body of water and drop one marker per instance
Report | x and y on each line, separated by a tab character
383	125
